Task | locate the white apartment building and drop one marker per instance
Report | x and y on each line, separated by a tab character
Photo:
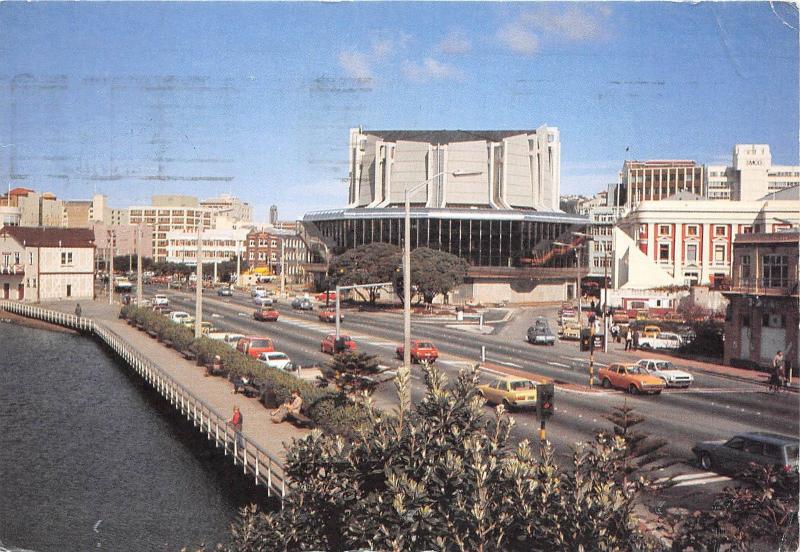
671	242
219	245
171	214
601	224
230	207
751	175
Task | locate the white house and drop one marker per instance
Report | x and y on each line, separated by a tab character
46	264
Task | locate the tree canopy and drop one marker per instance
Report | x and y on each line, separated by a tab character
433	272
366	264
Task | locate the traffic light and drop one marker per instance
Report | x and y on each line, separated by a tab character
545	395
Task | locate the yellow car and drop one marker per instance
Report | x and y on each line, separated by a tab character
205	327
510	391
651	331
571	330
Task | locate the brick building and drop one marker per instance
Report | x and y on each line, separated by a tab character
763	314
264	247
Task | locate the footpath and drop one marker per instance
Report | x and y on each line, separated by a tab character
214	391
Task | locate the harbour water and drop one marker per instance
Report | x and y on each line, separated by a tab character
91	459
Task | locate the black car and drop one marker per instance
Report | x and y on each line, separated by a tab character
225	292
740	451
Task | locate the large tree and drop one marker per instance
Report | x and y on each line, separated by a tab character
366	264
433	272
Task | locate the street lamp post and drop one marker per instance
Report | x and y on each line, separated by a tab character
139	265
198	287
407	260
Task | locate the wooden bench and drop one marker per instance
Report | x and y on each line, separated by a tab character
250	390
152	333
189	355
167	342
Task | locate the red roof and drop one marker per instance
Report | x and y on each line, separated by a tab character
767	237
50	237
20	192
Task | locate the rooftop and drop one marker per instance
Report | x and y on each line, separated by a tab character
445	136
464	214
768	237
50	237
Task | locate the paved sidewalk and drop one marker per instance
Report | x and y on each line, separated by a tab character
214	391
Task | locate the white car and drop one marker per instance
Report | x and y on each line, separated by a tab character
665	370
161	300
180	317
263	301
275	360
229	339
258	291
665	340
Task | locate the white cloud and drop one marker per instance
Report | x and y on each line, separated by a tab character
355	64
573	23
519	39
430	69
455	42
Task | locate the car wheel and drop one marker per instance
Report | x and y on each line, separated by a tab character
705	462
633	390
507	405
607	383
645	346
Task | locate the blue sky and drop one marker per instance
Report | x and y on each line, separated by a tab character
257	99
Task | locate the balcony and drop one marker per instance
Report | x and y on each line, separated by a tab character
12	269
772	288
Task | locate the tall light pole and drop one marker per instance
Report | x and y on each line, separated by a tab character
283	268
139	265
407	261
198	305
111	267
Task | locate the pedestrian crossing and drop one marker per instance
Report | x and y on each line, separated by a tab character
694	479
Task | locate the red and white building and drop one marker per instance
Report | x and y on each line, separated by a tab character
669	242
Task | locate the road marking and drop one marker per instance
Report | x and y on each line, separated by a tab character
559	364
504	363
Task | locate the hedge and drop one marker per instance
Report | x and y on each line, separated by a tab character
326	408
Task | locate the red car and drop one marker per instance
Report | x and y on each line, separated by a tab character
266	315
331	296
332	346
421	351
253	346
329	316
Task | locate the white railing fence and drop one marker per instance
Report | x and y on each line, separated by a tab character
265	468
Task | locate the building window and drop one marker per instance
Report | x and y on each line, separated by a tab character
251	256
775	270
692	230
719	253
691	253
261	256
745	267
66	258
721	230
664	230
30	258
663	252
691	278
642	230
747	229
252	243
773	320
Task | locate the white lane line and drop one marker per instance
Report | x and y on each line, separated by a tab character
504	363
558	364
687	477
703	481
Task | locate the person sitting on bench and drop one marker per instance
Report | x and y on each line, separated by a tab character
239	382
288	408
214	367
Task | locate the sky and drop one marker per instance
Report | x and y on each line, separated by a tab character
256	99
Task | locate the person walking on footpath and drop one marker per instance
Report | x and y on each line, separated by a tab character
237	422
78	310
777	377
628	339
635	343
292	406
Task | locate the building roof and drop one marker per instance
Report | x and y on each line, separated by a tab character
445	136
20	191
50	237
464	214
792	193
768	237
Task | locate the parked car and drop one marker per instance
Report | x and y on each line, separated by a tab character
740	451
665	370
266	315
225	292
331	296
302	303
175	284
631	378
262	300
258	291
333	345
421	351
229	339
511	392
329	316
665	340
275	360
571	330
651	331
180	317
253	346
540	334
205	327
161	300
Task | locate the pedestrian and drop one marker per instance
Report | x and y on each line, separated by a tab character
615	333
636	337
292	406
778	377
237	422
78	310
628	339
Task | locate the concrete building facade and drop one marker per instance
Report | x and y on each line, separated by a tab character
171	214
277	248
124	239
219	245
46	264
762	317
659	179
751	175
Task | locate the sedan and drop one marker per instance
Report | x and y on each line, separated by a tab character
225	292
665	370
266	315
277	360
421	351
510	391
329	316
333	345
302	303
262	300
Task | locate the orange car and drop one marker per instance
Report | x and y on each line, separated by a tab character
253	346
329	316
631	378
332	345
421	351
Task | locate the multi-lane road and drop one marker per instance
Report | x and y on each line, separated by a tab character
715	407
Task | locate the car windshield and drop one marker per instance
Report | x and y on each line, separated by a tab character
634	370
425	345
259	343
522	385
664	365
278	356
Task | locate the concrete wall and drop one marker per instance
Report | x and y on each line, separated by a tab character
470	189
518	186
409	169
523	291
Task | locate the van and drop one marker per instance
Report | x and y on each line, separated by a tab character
253	346
651	331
